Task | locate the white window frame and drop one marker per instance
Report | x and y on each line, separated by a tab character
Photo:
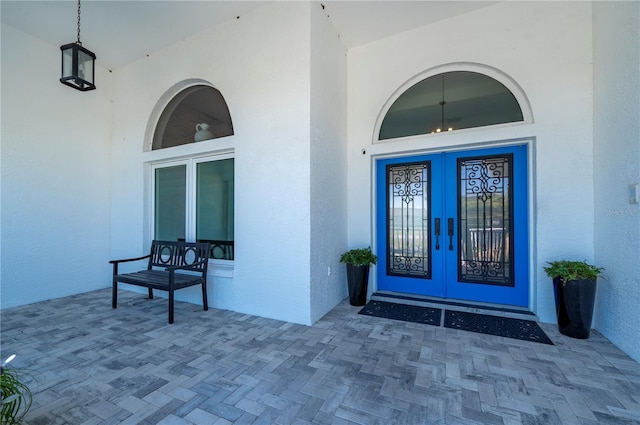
218	267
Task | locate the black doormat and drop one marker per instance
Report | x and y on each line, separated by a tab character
407	313
526	330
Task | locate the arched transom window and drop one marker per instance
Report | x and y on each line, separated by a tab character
195	114
450	101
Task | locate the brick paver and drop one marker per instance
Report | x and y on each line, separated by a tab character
91	364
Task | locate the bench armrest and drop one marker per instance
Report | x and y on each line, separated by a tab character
126	260
129	259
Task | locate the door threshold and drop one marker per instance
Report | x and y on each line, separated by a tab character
457	305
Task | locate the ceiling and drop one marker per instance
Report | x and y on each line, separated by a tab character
122	31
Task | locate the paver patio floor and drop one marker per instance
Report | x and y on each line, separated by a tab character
95	365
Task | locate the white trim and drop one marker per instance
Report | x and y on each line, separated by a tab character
496	74
533	253
221	268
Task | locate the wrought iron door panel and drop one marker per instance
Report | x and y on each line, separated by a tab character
408	212
485	218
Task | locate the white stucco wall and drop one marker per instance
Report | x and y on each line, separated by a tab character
261	65
616	31
73	165
328	164
545	47
54	176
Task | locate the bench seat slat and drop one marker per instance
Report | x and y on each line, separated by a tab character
159	279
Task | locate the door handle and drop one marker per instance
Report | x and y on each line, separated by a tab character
437	232
450	232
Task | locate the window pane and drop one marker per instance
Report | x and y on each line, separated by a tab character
416	111
450	101
170	203
195	114
475	100
214	207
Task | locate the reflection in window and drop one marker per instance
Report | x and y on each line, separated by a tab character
214	207
170	202
450	101
200	212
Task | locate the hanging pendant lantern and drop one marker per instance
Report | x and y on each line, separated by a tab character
78	64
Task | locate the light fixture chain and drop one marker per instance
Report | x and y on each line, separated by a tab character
79	42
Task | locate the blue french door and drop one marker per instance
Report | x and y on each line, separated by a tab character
454	225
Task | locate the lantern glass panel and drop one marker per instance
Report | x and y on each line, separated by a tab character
67	62
85	66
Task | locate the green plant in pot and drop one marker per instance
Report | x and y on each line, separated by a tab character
358	262
574	288
14	394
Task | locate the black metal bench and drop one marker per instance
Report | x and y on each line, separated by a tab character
165	259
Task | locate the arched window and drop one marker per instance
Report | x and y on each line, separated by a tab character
450	101
191	191
195	114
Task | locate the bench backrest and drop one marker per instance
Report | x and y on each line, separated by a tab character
172	253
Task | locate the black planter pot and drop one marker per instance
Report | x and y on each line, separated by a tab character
357	280
574	306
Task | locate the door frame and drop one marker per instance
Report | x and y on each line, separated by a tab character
528	142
